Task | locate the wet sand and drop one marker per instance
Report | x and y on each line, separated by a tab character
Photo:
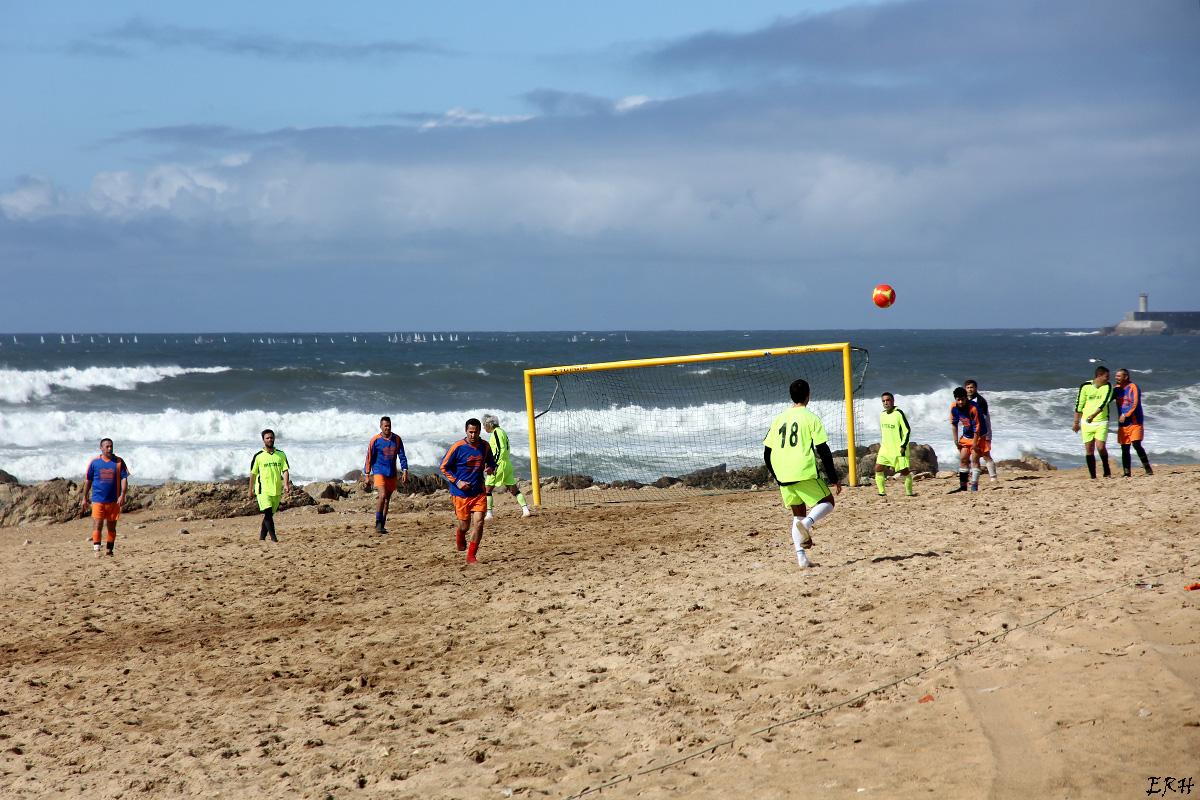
600	642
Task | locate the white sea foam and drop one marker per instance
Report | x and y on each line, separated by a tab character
21	386
360	374
644	443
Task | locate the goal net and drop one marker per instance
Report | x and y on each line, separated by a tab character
667	428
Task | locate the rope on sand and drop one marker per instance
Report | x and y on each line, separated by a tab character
877	690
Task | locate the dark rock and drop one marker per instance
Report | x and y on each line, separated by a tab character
626	485
326	491
575	481
6	478
353	475
921	458
324	508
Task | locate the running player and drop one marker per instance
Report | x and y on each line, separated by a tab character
269	482
894	432
504	469
971	443
790	449
1129	421
107	482
382	453
1091	406
464	466
975	397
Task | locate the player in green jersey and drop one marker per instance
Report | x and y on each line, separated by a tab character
1091	417
894	432
793	443
503	477
269	482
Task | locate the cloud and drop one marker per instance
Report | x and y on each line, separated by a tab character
138	31
989	191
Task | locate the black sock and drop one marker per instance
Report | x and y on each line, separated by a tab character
1142	455
268	524
1104	461
962	478
1091	462
1125	458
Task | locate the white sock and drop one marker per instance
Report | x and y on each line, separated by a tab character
796	537
975	477
796	523
819	511
991	467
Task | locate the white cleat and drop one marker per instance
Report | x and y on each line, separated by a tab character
524	511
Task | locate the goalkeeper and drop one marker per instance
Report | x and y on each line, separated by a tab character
503	477
894	434
796	438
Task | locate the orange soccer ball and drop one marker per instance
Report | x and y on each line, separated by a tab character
883	295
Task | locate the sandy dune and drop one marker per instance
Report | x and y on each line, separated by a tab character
601	642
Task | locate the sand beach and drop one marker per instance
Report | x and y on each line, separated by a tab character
1035	639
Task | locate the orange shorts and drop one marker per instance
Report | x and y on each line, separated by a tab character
1129	434
464	506
388	484
983	447
106	511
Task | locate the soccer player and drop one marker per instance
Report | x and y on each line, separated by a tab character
1091	406
382	453
793	443
1129	421
107	482
504	469
464	466
971	443
269	481
894	432
975	397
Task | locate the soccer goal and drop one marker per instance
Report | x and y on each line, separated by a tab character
666	428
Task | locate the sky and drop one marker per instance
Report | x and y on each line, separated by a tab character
673	165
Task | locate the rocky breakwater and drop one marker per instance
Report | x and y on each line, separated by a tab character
61	500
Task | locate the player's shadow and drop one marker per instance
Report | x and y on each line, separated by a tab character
880	559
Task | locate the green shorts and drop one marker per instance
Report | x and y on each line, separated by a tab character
805	493
503	476
897	463
270	501
1098	433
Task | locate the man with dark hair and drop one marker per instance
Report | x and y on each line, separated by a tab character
894	434
107	482
793	443
985	456
1091	417
383	451
464	466
968	444
269	482
1129	422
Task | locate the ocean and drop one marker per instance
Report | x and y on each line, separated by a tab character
190	407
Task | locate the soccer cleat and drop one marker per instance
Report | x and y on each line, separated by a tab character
461	539
524	511
802	559
489	515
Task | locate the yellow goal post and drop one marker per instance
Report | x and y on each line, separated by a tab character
848	388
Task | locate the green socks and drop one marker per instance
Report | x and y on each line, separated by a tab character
879	479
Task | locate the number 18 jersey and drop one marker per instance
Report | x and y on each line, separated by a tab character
791	438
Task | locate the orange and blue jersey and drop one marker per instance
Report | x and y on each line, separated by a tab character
1129	400
466	463
970	419
382	454
106	478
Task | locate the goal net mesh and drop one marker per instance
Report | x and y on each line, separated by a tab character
673	430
